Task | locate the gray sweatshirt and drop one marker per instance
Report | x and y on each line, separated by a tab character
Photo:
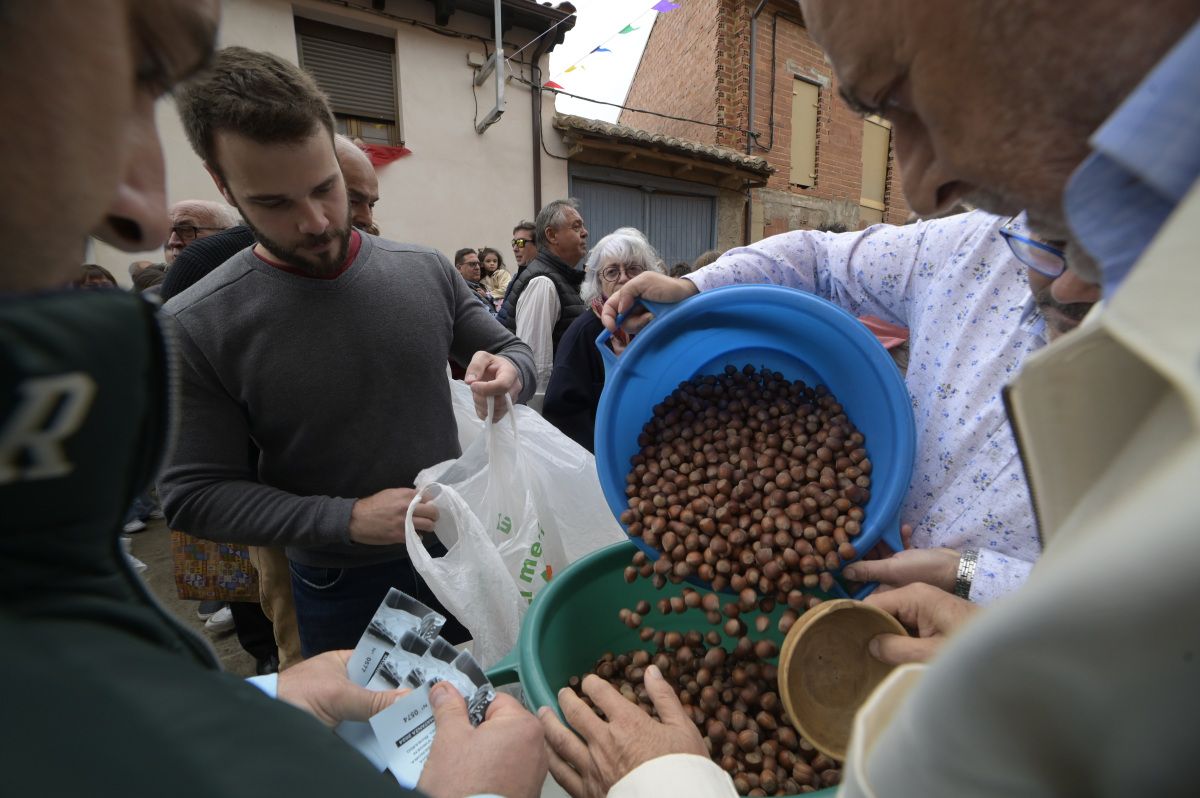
341	384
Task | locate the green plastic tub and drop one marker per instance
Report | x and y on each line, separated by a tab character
573	622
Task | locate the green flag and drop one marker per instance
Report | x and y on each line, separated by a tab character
627	29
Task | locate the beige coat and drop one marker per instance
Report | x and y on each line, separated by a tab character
1087	680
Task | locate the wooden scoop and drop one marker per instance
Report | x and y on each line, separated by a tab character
826	672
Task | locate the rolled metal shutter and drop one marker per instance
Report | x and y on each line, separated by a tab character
356	70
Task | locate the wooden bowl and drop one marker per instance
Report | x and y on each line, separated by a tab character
826	671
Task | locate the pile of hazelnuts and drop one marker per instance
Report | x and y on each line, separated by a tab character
754	484
749	481
728	688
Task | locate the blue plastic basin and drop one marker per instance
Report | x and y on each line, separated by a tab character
789	331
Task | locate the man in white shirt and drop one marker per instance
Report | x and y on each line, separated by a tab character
543	299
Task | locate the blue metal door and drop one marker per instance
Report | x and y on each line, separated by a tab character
679	225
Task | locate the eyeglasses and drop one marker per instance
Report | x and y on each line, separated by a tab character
519	243
611	274
187	232
1044	258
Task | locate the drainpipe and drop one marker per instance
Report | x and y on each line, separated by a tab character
536	106
753	48
750	116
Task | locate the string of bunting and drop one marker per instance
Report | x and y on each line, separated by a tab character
661	7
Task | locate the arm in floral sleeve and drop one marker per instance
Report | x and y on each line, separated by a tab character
879	271
996	575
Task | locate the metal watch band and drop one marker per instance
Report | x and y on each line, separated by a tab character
966	572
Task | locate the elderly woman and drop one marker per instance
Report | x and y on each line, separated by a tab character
578	377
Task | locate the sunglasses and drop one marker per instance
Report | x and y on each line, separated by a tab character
519	243
1044	258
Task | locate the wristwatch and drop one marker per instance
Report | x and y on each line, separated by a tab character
966	573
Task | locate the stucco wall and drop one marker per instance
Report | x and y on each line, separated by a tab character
458	188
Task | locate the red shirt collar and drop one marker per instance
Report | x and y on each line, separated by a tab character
351	254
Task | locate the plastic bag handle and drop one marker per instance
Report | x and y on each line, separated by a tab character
512	416
659	309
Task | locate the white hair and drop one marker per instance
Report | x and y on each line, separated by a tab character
218	213
625	245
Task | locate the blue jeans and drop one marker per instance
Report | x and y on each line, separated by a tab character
334	605
141	508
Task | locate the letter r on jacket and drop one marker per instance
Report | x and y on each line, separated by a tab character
49	410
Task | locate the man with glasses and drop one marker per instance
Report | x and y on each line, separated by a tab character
523	245
974	314
1062	297
524	249
192	220
466	261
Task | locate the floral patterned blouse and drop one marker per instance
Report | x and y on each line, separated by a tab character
967	304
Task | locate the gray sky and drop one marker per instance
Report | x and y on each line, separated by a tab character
603	76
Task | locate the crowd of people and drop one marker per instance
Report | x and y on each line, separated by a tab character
292	385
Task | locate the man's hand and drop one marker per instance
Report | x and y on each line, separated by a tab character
492	375
647	285
937	567
504	755
588	767
319	685
930	613
379	520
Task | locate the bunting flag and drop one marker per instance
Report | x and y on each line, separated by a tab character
662	7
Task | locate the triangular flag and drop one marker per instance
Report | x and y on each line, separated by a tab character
627	29
663	6
551	85
602	50
572	68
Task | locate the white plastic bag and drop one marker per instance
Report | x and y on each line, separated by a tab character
521	503
468	423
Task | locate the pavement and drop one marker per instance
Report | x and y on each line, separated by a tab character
153	547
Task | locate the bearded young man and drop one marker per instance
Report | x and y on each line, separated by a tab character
324	345
84	416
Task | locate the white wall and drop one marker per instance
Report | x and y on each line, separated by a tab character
457	188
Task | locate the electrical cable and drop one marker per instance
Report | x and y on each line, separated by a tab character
565	93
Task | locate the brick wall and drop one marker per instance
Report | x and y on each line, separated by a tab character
697	60
677	74
839	130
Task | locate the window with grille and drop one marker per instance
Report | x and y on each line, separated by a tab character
357	70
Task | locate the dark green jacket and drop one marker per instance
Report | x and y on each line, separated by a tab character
103	692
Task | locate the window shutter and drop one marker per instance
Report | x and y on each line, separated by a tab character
805	106
876	142
352	68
